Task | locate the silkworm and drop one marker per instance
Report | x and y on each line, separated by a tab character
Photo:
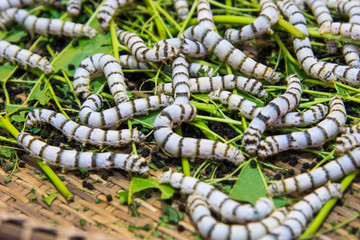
200	70
228	82
46	26
268	16
70	159
210	228
159	53
180	76
226	52
100	63
204	15
73	7
219	202
4	20
114	116
346	142
346	74
15	54
107	11
278	107
313	137
351	55
353	129
182	8
83	134
332	171
322	15
345	30
302	47
302	212
186	46
348	8
6	4
130	62
250	110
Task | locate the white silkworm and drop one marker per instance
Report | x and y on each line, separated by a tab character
70	159
278	107
346	74
73	7
107	11
322	15
130	62
345	30
199	70
353	129
250	110
226	52
302	212
204	15
83	134
210	228
46	26
15	54
113	117
313	137
219	202
180	76
177	146
182	8
346	142
100	63
4	20
349	8
186	46
6	4
302	47
159	53
351	55
268	16
332	171
228	82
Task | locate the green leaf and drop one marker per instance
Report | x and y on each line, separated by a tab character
6	152
48	200
147	119
19	117
250	185
291	68
174	216
140	184
42	97
279	202
123	196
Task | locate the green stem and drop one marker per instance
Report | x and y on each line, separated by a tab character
290	28
167	16
313	32
188	21
184	161
284	49
161	26
114	40
229	7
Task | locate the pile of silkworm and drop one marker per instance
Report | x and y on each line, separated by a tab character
182	73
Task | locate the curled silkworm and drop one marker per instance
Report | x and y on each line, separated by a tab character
73	7
204	15
302	212
178	146
332	171
210	228
112	71
83	134
15	54
313	137
225	51
219	202
322	15
46	26
70	159
249	110
130	62
268	115
182	8
199	70
346	74
159	53
6	4
351	55
188	47
268	16
180	76
346	142
302	47
107	11
114	116
228	82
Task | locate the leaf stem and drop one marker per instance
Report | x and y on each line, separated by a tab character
184	161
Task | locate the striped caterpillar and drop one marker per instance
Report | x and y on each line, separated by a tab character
199	70
345	30
210	228
351	55
353	129
182	8
346	74
302	47
346	142
6	4
332	171
219	202
313	137
186	46
112	71
107	11
159	53
15	54
46	26
204	15
278	107
225	51
268	16
228	82
83	134
180	76
250	110
130	62
177	146
113	117
302	212
70	159
73	7
322	15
